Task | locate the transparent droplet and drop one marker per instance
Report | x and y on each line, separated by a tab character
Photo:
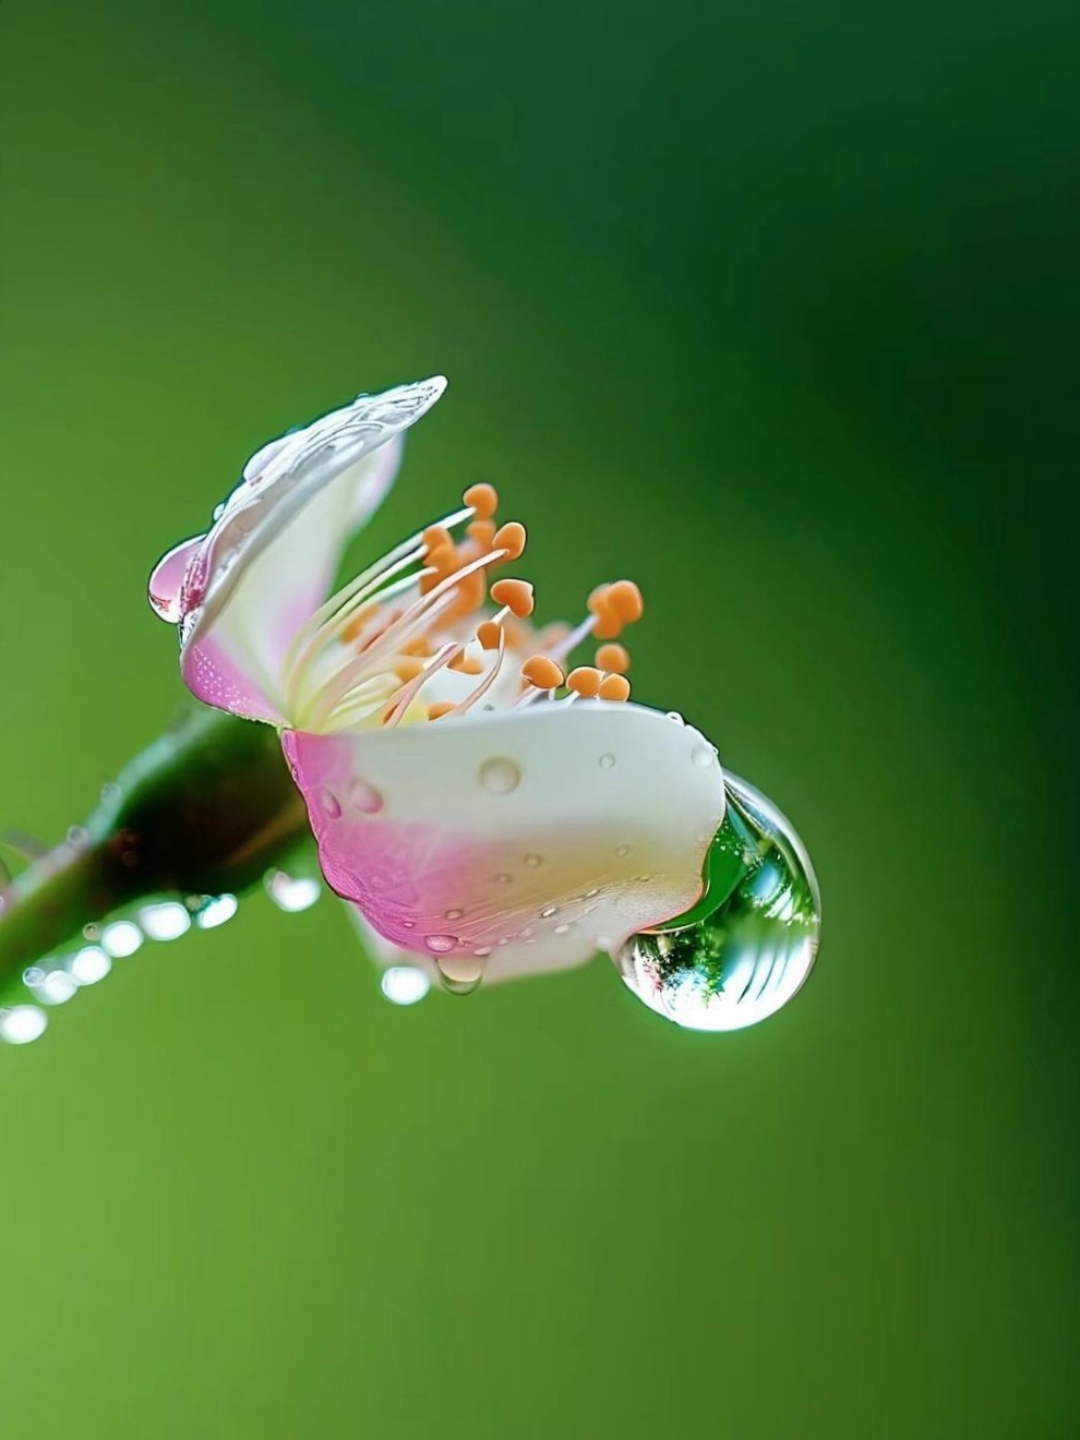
92	932
607	762
703	754
89	966
121	938
746	947
500	776
78	836
461	974
291	893
440	944
404	984
533	861
20	1024
454	914
110	792
216	911
548	911
365	798
165	921
329	804
562	928
56	988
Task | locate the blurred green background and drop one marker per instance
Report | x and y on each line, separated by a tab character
770	306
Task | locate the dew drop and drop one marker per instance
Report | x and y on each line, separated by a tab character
77	836
216	911
746	947
461	974
290	893
57	987
499	776
676	717
483	952
329	803
453	914
89	966
91	932
365	798
121	938
110	792
533	861
440	944
547	913
166	921
408	924
703	754
607	762
562	929
21	1024
404	984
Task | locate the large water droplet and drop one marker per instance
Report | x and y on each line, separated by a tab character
500	776
89	966
746	947
404	984
216	911
20	1024
461	974
365	798
291	893
607	762
165	921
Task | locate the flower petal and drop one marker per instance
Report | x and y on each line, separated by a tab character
540	835
268	561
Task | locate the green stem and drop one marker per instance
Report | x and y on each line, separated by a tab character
205	810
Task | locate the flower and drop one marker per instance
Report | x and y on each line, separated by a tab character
470	795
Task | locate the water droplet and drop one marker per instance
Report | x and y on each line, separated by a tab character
483	952
34	976
365	798
703	754
454	914
216	911
408	924
607	762
674	715
460	974
91	932
57	987
500	776
110	792
404	984
747	946
440	944
329	804
20	1024
622	851
78	836
291	893
533	861
549	910
89	966
166	921
121	938
562	929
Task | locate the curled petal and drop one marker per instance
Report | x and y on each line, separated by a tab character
536	836
268	561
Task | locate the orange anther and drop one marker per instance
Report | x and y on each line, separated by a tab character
510	537
356	625
436	712
436	535
608	625
613	658
407	667
542	672
489	634
624	599
469	597
466	665
483	532
615	687
484	499
598	599
517	595
585	681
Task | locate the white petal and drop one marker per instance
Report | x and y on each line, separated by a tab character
541	834
268	562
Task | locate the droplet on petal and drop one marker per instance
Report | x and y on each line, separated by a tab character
365	798
500	776
460	974
440	944
329	804
607	762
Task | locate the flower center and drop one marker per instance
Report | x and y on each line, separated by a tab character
369	655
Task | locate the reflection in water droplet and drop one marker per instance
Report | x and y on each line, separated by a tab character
500	776
217	911
703	754
533	861
289	893
89	966
20	1024
365	798
461	974
440	944
328	803
607	762
747	946
167	921
121	938
404	984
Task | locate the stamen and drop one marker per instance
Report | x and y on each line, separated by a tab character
483	499
443	707
585	681
466	665
542	671
408	693
511	537
483	533
615	687
516	595
490	634
613	658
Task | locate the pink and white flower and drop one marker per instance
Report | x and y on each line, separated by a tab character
482	808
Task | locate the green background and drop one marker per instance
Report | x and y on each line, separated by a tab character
770	306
